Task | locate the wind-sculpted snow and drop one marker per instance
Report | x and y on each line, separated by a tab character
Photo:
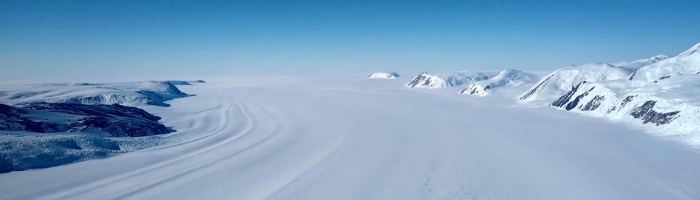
349	138
443	80
505	80
137	93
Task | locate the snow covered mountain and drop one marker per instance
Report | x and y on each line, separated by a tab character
634	65
509	78
137	93
665	93
384	75
562	80
687	62
443	80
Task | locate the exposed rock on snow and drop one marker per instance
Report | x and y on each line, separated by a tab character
384	75
505	79
562	80
113	120
647	114
55	124
443	80
664	93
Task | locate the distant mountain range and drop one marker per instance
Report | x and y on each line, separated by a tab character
660	91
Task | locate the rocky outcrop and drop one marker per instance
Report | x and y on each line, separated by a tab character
647	114
114	120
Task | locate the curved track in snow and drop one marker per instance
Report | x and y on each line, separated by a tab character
367	139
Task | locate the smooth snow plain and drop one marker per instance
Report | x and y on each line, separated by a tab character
349	137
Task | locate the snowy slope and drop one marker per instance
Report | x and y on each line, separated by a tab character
447	79
384	75
504	80
349	138
687	62
634	65
663	96
562	80
137	93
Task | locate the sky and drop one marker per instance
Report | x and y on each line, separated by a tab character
107	40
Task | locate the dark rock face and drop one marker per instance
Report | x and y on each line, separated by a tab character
573	103
420	79
539	87
633	74
594	103
114	110
647	114
116	120
563	101
474	90
626	100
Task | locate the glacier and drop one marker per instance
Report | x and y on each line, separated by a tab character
342	137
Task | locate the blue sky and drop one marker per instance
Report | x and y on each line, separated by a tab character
107	39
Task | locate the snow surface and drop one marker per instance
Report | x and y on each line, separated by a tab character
349	138
384	75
